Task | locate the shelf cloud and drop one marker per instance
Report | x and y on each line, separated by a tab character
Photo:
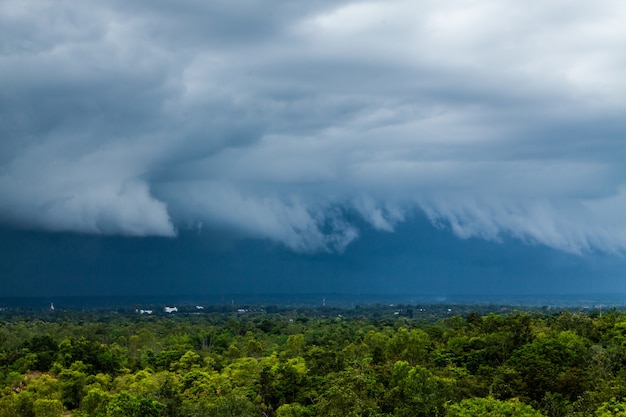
287	122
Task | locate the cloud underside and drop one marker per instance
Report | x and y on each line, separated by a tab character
494	119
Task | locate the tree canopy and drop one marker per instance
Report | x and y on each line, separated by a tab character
291	363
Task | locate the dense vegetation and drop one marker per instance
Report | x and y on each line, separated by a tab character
290	363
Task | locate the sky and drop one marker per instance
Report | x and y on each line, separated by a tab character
353	146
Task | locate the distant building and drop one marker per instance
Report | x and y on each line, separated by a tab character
170	309
199	307
145	311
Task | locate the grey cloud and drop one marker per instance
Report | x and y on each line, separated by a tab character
273	121
289	221
572	226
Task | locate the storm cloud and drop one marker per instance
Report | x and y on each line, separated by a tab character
284	121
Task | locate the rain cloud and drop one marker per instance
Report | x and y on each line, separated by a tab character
286	121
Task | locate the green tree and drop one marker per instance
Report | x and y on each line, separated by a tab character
552	364
295	346
412	346
127	405
45	349
490	407
25	404
47	408
95	402
612	408
293	410
8	404
73	382
415	391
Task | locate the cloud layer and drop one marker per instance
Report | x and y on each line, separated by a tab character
283	121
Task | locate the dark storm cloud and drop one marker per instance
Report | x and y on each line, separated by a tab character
274	121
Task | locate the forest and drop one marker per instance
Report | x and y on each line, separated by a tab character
298	362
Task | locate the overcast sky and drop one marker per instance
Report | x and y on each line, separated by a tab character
311	126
